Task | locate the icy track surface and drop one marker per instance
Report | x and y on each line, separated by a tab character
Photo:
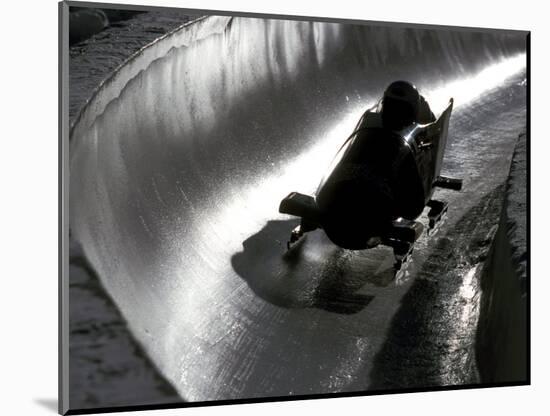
180	159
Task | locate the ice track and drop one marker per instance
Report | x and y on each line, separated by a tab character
180	159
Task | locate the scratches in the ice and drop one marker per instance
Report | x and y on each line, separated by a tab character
146	227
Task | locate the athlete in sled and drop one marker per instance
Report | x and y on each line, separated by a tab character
381	178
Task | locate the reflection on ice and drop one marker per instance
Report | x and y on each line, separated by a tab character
467	89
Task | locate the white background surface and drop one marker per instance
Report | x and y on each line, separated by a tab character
29	210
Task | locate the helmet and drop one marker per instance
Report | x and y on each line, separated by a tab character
400	104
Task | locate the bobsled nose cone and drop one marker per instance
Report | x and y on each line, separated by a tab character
374	210
353	213
365	201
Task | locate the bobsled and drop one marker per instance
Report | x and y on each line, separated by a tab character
381	179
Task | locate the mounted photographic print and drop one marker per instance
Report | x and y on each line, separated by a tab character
266	208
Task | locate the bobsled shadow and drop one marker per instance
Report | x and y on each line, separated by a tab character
315	273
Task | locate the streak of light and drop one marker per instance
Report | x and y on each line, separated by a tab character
468	89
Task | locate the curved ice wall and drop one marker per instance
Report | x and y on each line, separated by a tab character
185	152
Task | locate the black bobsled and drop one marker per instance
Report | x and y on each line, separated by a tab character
382	178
